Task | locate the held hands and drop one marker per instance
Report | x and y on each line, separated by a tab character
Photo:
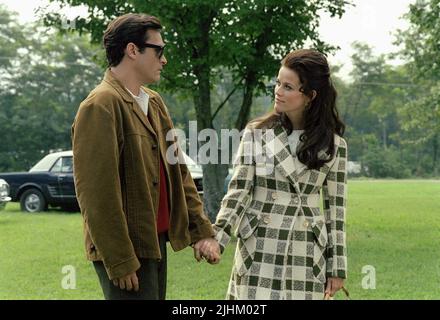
207	248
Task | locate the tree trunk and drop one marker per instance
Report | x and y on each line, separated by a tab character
214	174
213	188
418	168
251	79
245	109
434	158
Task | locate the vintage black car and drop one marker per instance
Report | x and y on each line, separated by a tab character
50	183
4	193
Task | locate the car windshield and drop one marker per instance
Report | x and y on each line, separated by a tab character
45	164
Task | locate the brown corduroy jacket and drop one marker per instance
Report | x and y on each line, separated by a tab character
116	170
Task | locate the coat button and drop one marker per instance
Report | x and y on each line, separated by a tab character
306	224
154	147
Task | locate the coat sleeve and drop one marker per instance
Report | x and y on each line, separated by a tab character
239	193
334	196
97	182
199	225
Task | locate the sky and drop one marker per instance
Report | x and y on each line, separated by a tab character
373	22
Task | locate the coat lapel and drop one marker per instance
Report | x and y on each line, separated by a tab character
131	102
152	112
286	160
300	167
277	145
143	118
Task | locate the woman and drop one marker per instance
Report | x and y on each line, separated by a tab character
287	248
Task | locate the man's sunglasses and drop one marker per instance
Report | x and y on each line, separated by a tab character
159	49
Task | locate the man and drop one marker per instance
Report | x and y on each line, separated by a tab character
131	198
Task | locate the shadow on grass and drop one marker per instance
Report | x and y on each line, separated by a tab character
14	207
62	211
6	221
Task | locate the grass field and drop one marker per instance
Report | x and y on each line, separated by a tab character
393	226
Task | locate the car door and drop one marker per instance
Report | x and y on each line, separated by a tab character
65	179
52	180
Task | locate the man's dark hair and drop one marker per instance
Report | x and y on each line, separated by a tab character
131	27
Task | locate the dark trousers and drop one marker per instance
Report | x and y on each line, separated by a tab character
152	276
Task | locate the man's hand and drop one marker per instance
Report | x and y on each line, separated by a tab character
207	248
333	285
129	282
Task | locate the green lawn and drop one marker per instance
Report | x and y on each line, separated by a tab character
392	225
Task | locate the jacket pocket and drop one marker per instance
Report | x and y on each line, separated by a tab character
319	250
320	231
248	224
247	241
244	255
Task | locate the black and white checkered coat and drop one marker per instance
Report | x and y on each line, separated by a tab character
286	246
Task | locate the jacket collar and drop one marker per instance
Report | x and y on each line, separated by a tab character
285	159
118	86
133	105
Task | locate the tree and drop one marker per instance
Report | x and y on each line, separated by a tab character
247	37
421	50
43	84
421	39
12	37
422	118
380	107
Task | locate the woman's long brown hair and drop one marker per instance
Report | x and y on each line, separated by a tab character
321	118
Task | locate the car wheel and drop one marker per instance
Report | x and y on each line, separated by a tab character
32	200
